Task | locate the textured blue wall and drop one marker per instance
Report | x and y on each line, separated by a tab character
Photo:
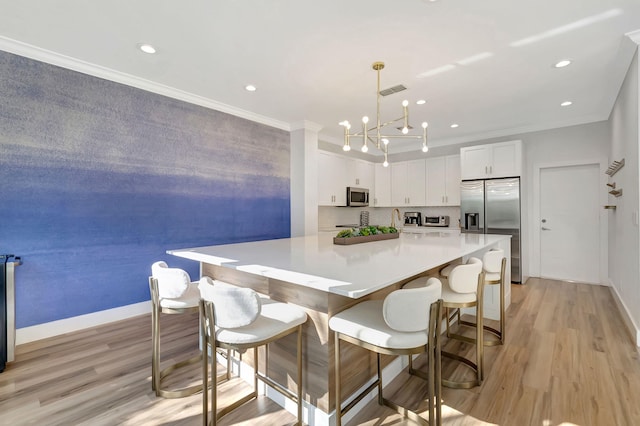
99	179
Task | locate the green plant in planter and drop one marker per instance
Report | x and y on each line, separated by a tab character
366	231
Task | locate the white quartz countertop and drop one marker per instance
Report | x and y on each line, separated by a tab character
349	270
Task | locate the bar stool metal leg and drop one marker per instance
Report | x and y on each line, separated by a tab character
158	375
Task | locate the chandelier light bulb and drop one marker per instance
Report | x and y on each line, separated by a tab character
385	141
405	130
365	148
365	119
405	103
425	124
425	148
346	148
385	164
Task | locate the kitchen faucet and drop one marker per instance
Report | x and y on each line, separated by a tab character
393	220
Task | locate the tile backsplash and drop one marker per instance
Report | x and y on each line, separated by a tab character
329	217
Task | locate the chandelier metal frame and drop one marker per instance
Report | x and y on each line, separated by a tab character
381	141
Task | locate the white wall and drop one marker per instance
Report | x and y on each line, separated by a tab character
624	235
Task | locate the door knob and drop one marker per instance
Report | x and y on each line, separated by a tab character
546	229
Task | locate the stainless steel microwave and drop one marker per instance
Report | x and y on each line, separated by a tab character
357	197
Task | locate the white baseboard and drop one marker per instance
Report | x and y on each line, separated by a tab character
68	325
633	328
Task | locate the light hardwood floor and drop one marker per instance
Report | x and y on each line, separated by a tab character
568	360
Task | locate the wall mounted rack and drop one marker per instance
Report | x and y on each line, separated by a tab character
614	167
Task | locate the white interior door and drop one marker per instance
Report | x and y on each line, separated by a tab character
569	223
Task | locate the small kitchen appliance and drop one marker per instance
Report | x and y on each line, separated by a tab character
412	219
442	221
357	197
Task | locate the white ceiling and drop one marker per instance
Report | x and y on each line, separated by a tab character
311	60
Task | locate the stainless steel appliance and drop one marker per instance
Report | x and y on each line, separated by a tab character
442	221
357	197
492	206
412	219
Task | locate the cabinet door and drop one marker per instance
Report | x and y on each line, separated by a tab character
506	159
331	180
436	181
416	183
399	184
362	174
475	161
382	189
452	180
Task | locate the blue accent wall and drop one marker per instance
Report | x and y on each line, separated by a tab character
99	179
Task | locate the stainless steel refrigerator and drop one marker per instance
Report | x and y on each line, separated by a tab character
492	206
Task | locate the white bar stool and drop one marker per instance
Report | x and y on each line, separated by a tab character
461	290
406	322
494	265
172	292
236	318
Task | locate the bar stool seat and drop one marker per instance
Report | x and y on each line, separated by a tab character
172	292
461	290
238	319
406	322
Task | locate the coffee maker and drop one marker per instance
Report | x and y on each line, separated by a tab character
412	219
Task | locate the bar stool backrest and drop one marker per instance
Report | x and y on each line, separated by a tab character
407	310
233	306
172	282
492	261
464	278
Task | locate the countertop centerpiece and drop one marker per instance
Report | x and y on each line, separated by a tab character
365	234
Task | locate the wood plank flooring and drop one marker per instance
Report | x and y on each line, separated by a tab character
568	359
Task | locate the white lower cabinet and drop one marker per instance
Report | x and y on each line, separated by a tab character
443	181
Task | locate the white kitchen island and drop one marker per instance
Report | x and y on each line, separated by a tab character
324	279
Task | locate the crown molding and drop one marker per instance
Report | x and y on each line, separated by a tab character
57	59
306	125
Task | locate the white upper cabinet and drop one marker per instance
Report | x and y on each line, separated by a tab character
382	194
491	161
452	184
408	180
443	181
360	174
332	180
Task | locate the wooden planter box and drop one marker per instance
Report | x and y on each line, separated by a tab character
364	239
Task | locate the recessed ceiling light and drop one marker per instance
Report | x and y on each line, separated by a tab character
454	125
250	88
562	63
566	103
147	48
421	102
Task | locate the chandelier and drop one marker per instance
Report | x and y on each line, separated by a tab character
379	140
